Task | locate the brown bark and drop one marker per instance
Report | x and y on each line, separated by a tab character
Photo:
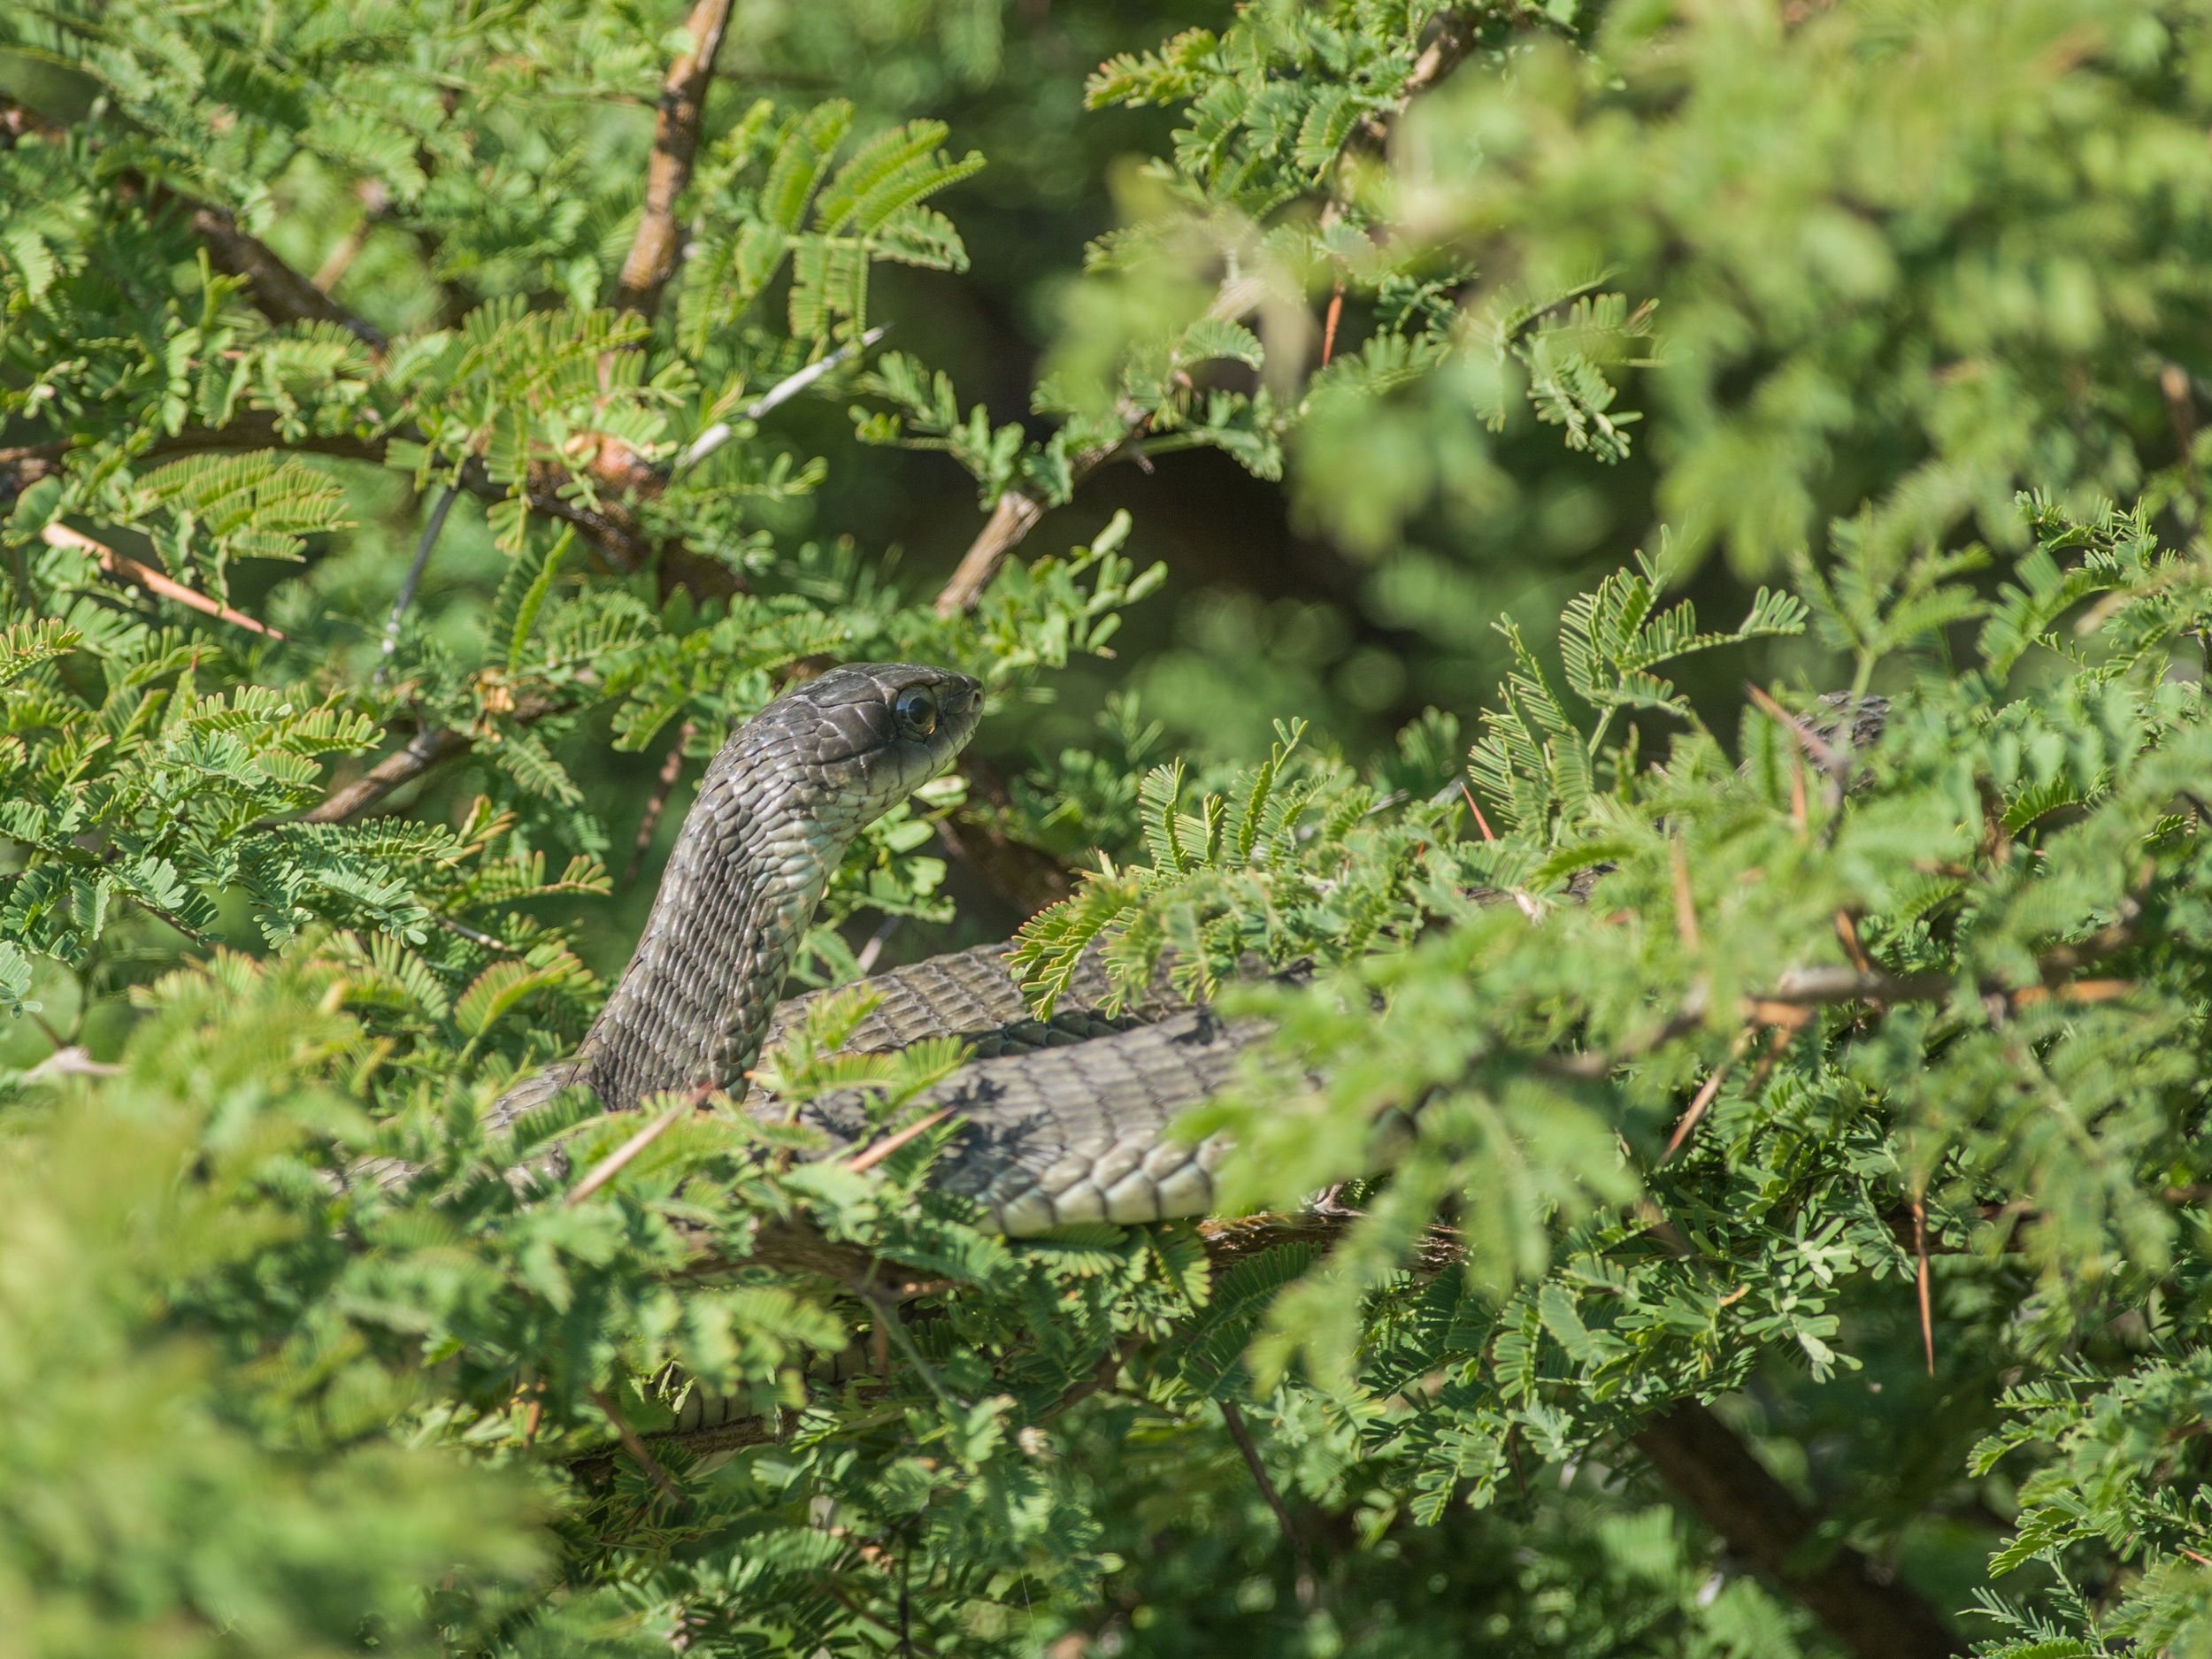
683	102
1714	1473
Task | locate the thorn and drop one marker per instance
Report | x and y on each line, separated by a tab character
607	1167
1685	902
1481	823
866	960
1920	1249
885	1147
1328	331
1848	931
1837	766
1705	1095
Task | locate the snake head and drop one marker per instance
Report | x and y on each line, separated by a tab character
876	732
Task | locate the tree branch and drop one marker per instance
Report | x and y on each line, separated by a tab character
283	293
1714	1473
610	527
659	241
1017	512
129	569
429	747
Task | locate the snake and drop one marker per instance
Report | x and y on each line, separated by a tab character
1057	1121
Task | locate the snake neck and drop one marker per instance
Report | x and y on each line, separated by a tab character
695	1004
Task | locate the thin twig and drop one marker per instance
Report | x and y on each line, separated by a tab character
339	260
425	749
720	433
612	1165
655	803
1310	1581
1101	1376
1776	1049
129	569
413	579
636	1447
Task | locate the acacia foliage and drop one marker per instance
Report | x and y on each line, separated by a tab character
1663	1058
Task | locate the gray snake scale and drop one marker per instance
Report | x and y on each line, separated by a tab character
1062	1121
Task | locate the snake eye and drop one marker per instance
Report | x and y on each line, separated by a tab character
917	709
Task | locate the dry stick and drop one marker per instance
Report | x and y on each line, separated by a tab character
1920	1249
659	240
672	769
1310	1581
612	1165
636	1447
129	569
1018	511
414	579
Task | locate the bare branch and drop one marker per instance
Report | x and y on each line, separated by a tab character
1308	1580
1714	1473
428	747
683	102
129	569
636	1447
283	294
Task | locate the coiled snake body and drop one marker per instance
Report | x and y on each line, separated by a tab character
1063	1121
